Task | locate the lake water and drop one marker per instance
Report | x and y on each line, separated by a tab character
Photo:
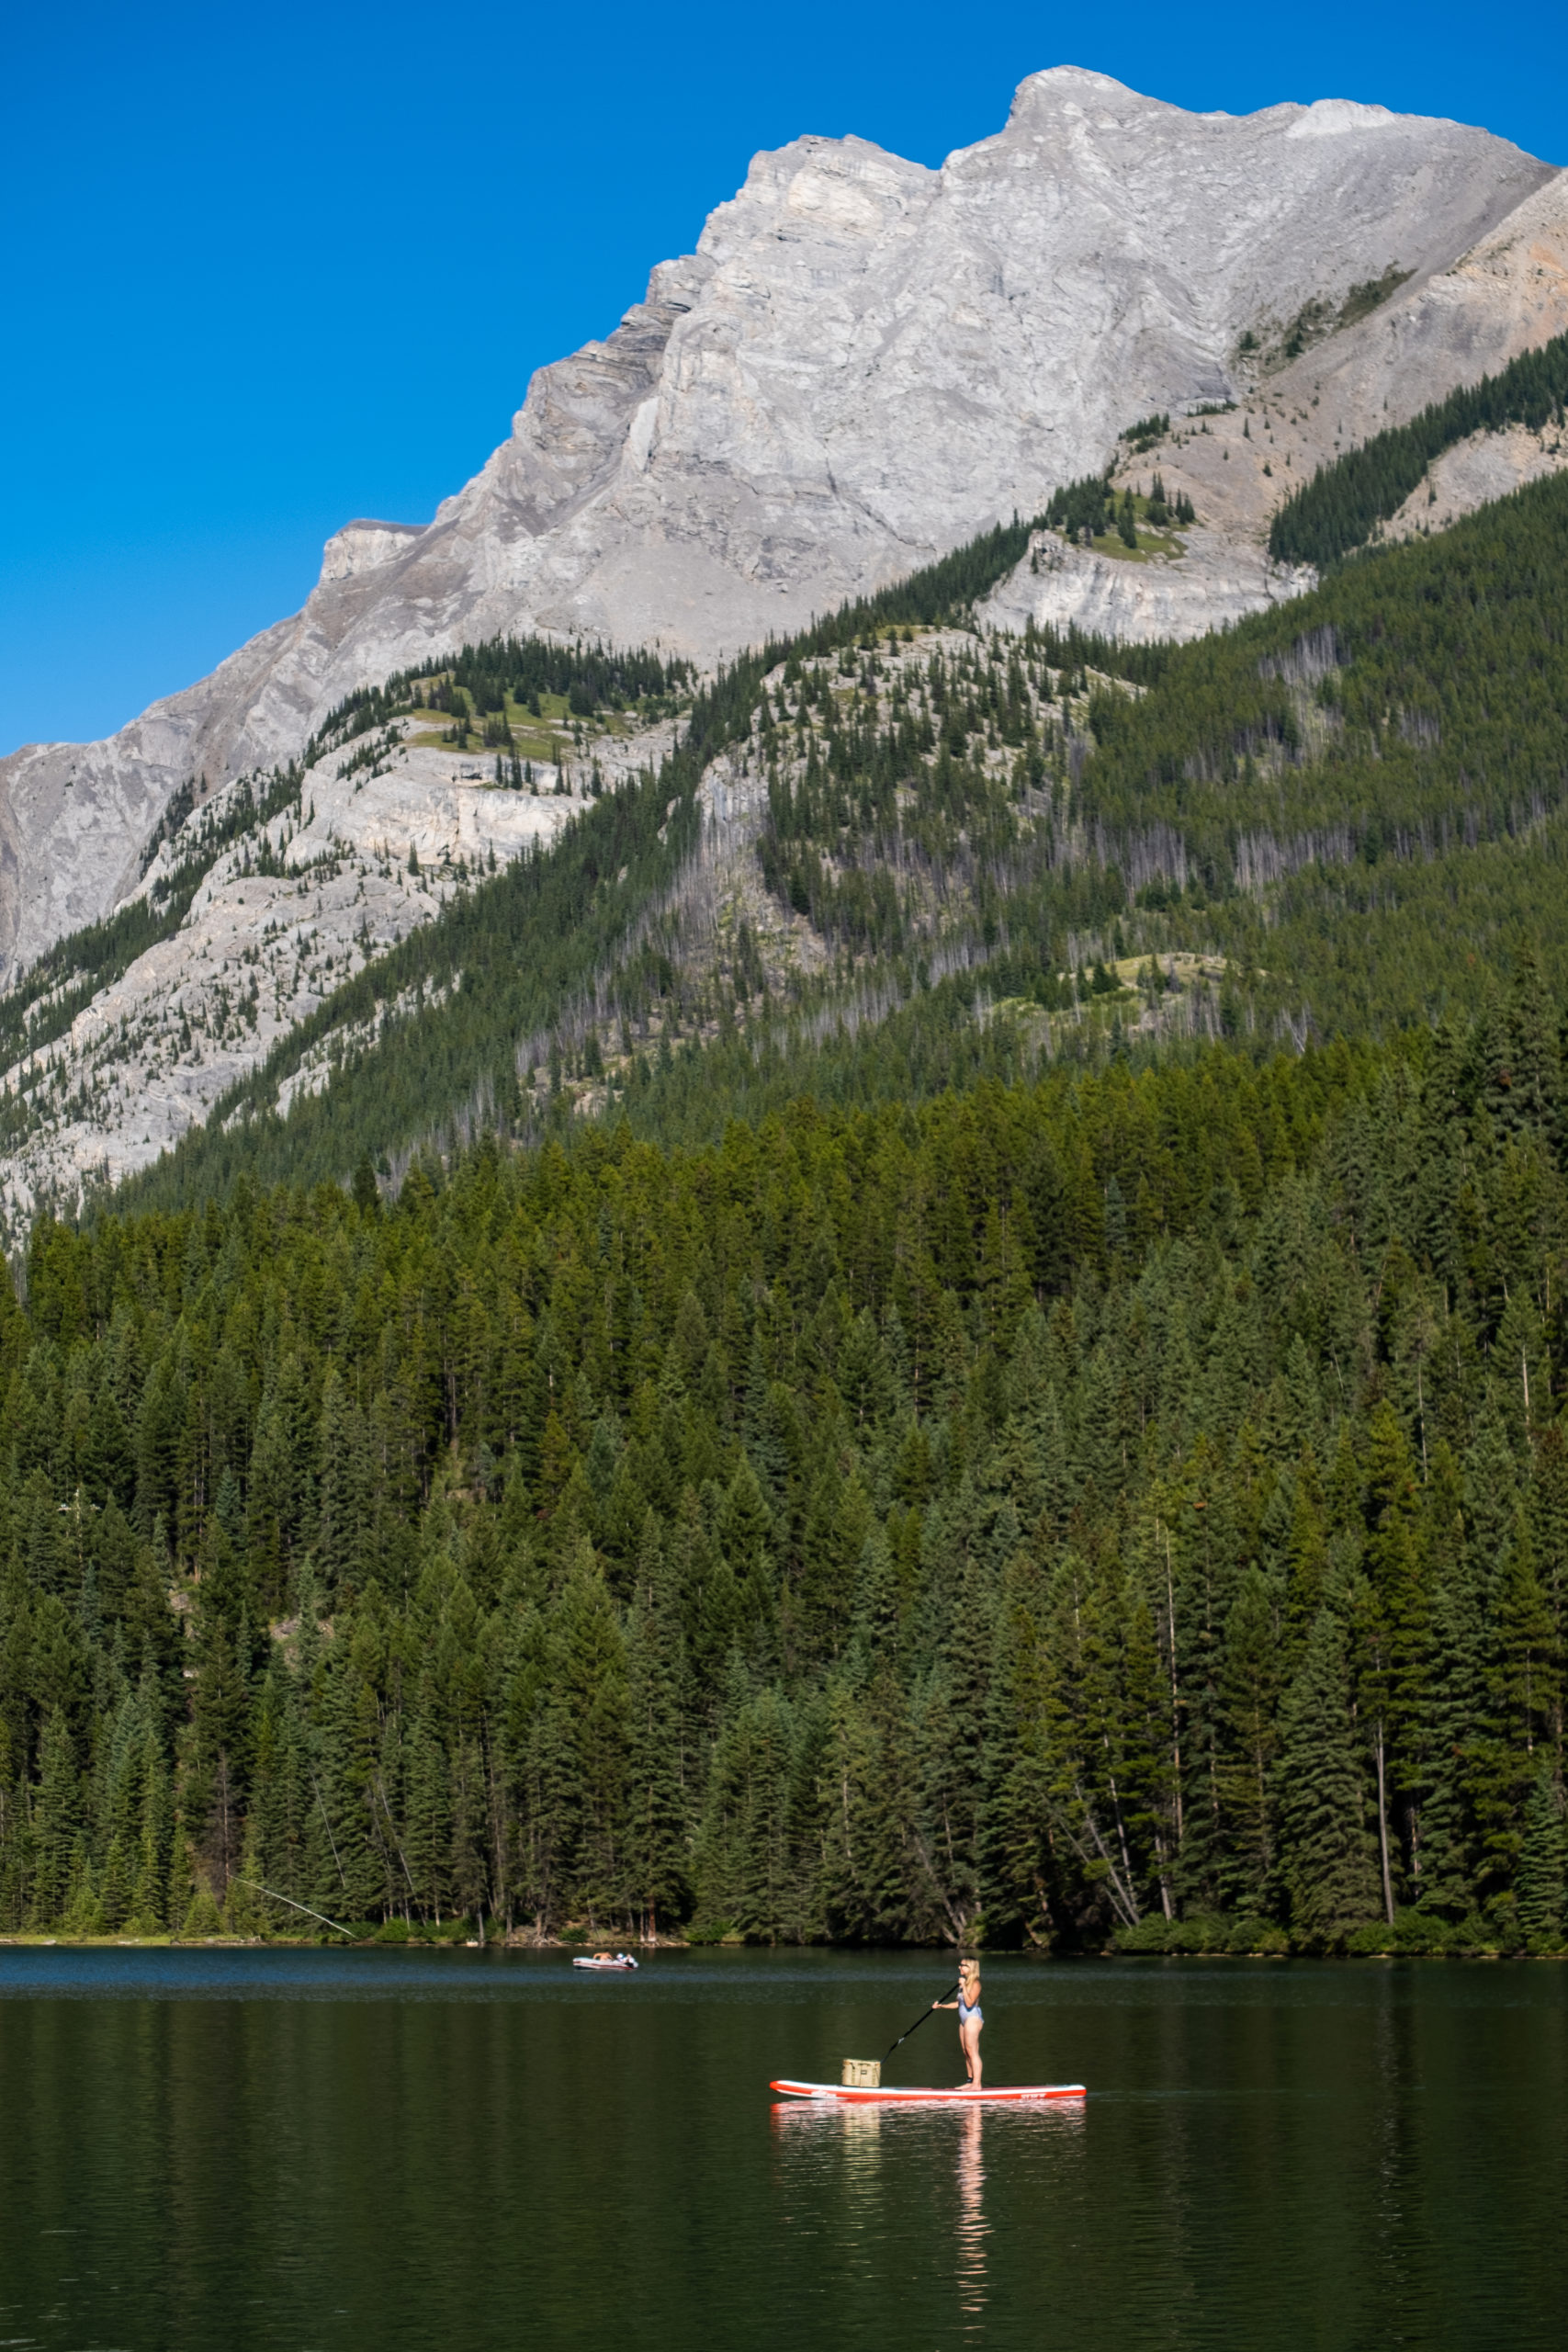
251	2148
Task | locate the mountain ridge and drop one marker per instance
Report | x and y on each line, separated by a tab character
863	362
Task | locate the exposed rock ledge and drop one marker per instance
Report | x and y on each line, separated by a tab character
1218	580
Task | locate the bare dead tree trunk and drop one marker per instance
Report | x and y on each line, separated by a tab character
1174	1694
1382	1830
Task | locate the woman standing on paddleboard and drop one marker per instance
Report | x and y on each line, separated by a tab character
969	2017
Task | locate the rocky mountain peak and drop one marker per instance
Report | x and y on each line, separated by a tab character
863	363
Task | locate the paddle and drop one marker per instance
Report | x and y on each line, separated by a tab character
919	2023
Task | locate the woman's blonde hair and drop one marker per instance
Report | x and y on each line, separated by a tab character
969	1966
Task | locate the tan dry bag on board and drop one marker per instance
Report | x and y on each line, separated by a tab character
861	2075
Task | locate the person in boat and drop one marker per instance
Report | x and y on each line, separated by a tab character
969	2017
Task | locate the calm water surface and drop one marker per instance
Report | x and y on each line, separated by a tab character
231	2149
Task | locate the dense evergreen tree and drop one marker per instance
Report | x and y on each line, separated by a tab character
1328	1860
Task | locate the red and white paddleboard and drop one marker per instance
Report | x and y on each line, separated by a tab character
837	2095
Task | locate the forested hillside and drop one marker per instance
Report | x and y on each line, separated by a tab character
520	960
1040	1419
1058	1511
1315	803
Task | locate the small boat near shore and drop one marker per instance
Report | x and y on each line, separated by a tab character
614	1961
1020	2095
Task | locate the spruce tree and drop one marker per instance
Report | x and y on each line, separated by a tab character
344	1483
428	1834
1542	1883
590	1665
745	1879
1014	1843
1330	1864
660	1806
1250	1685
57	1822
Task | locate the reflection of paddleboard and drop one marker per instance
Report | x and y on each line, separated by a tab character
1028	2094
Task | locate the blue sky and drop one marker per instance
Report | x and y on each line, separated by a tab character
268	270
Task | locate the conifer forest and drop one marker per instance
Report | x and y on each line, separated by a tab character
1048	1431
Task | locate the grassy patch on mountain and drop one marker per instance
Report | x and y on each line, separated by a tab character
534	675
1146	545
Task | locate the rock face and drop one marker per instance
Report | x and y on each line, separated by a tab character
294	908
1217	581
1506	295
863	363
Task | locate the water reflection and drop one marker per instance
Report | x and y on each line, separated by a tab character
972	2227
868	2173
1321	2156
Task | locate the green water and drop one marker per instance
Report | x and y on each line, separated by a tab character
231	2149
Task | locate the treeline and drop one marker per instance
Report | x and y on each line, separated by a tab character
1327	796
938	592
1135	1504
1340	508
1090	506
944	593
1323	793
589	675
